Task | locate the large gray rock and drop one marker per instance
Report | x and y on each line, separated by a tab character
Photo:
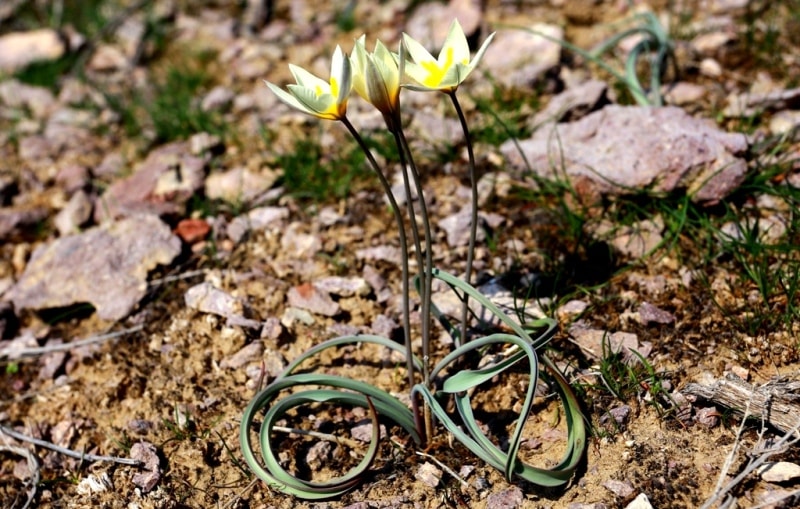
106	266
161	184
627	149
38	100
574	103
19	49
519	57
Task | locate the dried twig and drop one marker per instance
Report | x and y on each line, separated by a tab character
68	452
177	277
445	468
728	461
37	351
33	467
240	495
774	502
779	447
353	444
776	402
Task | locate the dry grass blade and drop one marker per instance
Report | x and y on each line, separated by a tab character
33	467
37	351
67	452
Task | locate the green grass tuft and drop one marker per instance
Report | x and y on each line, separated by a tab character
311	174
175	110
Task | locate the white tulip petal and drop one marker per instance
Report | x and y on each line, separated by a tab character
312	102
479	55
345	83
337	62
358	62
401	61
416	72
457	41
287	98
417	51
308	80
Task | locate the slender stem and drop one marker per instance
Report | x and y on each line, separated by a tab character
387	188
427	270
412	215
395	125
473	224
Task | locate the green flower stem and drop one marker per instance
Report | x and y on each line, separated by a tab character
427	269
473	225
395	125
387	188
412	216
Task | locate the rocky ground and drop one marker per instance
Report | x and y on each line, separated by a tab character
173	235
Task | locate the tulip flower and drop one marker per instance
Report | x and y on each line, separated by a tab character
376	77
451	68
315	96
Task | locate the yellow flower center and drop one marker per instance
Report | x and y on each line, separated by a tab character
436	73
334	88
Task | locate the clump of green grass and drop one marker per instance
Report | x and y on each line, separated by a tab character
47	74
767	273
87	18
632	378
175	110
504	116
729	236
311	174
94	19
170	110
345	18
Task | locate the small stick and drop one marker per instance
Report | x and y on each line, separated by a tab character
238	496
36	351
729	460
774	503
68	452
33	466
444	467
177	277
322	436
753	465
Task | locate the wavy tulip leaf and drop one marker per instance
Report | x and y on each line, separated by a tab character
461	382
546	323
355	393
470	378
348	340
